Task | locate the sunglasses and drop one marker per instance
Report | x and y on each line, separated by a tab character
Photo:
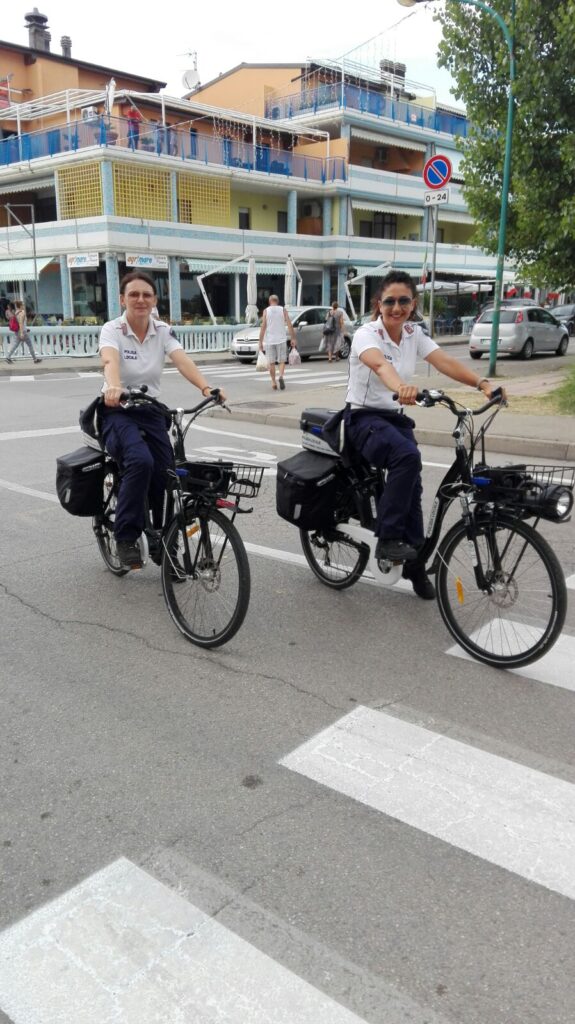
403	301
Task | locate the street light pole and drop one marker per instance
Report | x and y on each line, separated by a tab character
509	39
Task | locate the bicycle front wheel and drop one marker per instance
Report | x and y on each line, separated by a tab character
520	614
209	603
103	527
335	560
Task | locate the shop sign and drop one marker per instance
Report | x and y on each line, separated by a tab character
83	259
146	261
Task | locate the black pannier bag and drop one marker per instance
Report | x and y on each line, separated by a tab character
306	489
80	481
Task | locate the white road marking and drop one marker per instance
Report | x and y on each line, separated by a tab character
513	816
22	378
554	668
18	435
570	582
20	489
123	946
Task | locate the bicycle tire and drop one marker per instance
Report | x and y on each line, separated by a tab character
103	527
336	563
210	605
520	620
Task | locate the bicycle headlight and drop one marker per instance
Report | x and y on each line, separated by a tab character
555	503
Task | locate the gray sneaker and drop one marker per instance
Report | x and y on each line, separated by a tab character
282	384
129	554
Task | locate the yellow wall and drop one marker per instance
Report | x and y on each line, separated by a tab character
406	226
456	234
337	147
403	161
246	89
260	219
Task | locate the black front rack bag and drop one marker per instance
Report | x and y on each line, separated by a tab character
80	481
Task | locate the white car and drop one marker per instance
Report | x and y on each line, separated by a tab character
308	322
523	331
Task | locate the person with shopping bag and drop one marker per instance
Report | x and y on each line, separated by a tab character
275	323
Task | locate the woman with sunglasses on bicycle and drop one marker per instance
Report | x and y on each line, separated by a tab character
382	360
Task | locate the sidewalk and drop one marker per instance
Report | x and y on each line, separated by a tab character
519	434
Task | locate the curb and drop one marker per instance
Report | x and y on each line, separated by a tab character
530	447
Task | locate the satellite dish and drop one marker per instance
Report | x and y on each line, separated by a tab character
190	79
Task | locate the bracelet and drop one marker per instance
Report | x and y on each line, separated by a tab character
484	380
206	387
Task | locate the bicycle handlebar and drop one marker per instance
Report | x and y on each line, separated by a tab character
138	396
431	398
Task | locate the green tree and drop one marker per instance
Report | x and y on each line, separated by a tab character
541	218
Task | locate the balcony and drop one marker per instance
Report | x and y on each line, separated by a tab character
365	101
406	188
177	142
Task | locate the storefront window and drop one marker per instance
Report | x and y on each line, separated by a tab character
89	299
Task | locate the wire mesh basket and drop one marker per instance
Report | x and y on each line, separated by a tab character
544	476
245	480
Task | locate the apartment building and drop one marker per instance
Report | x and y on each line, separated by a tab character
100	171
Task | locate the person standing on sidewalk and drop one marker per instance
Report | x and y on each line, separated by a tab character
275	322
18	323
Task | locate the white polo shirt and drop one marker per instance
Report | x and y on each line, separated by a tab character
141	362
364	386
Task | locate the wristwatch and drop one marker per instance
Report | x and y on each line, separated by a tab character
484	380
205	388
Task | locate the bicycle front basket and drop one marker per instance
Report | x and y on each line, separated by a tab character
542	491
205	477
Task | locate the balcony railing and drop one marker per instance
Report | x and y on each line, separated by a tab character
366	102
179	142
79	342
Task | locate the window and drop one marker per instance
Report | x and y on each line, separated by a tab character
384	225
365	229
282	221
244	218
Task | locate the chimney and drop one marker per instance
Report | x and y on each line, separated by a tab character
66	44
38	35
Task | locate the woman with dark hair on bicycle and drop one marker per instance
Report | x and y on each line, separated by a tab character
133	348
382	360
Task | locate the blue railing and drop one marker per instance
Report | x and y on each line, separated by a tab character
366	102
79	342
176	141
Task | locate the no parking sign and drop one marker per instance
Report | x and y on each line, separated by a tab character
437	171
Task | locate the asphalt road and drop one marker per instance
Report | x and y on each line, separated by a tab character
121	740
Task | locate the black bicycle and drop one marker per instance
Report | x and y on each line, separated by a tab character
204	565
500	587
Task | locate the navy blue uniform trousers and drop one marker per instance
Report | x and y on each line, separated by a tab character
386	440
143	461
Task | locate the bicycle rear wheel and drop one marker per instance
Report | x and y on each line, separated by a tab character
209	604
518	619
103	527
336	561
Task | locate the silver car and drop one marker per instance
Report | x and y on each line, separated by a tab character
308	322
523	331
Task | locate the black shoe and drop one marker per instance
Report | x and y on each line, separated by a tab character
395	551
8	360
37	360
420	581
129	554
282	384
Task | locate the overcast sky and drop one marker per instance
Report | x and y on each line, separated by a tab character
152	38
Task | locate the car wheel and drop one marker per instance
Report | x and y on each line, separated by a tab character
527	350
562	346
476	355
246	361
345	348
305	359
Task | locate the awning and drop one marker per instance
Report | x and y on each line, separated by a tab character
405	211
371	271
454	216
204	266
387	140
30	185
22	270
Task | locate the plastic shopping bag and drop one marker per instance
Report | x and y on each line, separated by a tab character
262	362
294	358
322	345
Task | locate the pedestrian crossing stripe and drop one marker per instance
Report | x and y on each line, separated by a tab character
510	815
123	946
554	668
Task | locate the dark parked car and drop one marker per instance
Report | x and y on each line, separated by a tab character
566	314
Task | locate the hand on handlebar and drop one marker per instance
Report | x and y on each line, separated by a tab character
407	394
113	396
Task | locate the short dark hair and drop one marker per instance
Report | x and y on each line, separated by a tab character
137	275
393	277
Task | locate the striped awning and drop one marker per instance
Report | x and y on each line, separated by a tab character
204	266
454	216
373	207
30	185
379	139
22	270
